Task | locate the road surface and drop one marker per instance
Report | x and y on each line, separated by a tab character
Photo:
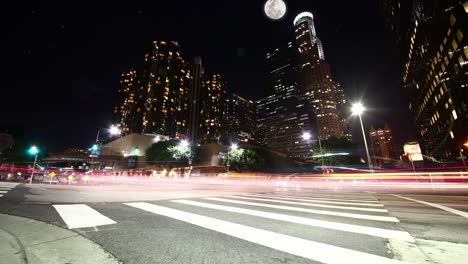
197	222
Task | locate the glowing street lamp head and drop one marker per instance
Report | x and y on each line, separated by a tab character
114	130
184	143
33	150
234	146
358	109
306	136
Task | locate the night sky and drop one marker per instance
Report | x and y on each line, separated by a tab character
64	58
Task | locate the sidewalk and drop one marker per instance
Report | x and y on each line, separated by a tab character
23	240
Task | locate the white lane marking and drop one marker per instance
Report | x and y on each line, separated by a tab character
299	209
81	215
297	246
371	231
312	204
1	195
443	207
315	201
330	199
3	191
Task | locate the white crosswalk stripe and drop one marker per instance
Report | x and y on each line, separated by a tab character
311	204
299	209
330	198
292	198
81	216
5	187
322	252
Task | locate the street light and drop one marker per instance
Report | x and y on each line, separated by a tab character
233	146
358	109
184	144
33	150
113	130
307	136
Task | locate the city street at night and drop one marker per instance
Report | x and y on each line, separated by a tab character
216	132
244	221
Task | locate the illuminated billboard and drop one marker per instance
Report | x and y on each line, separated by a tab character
413	151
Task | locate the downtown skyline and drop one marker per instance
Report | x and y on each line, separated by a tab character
362	68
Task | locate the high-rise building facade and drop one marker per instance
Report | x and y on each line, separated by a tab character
213	110
128	110
165	82
431	38
284	115
315	76
383	150
195	99
241	118
343	108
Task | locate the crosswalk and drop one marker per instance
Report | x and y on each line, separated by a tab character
5	187
255	218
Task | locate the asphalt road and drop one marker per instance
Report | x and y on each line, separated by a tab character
186	222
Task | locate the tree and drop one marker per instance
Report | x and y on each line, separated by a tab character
159	152
336	151
170	151
246	159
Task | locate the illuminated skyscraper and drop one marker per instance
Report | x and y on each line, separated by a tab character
315	76
343	108
127	112
213	110
432	41
383	150
165	82
284	114
241	118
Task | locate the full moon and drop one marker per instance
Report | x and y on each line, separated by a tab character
275	9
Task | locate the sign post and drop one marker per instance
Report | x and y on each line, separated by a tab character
70	178
51	175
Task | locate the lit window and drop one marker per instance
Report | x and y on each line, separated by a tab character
454	45
452	20
459	35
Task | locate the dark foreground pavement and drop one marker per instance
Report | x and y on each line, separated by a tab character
259	223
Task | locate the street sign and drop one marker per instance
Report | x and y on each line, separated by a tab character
70	177
52	174
86	179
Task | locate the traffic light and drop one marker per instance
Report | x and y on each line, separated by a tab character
95	147
136	151
33	150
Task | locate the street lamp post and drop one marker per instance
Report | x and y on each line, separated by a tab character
307	136
33	150
358	109
233	147
113	130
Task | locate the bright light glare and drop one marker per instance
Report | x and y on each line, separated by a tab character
184	143
33	150
234	146
157	139
358	109
332	154
306	136
114	130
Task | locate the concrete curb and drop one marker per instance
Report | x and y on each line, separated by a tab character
24	240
